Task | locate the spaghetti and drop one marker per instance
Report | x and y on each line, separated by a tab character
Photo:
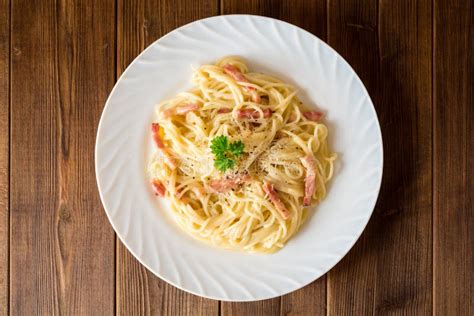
253	199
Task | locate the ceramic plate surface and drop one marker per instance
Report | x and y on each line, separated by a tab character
124	145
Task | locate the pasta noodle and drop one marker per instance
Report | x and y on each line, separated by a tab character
259	202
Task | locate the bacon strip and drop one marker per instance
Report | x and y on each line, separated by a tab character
224	110
158	188
314	116
169	160
179	110
235	73
155	130
253	114
310	179
275	199
238	76
226	184
183	109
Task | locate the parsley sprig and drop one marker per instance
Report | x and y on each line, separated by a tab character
225	153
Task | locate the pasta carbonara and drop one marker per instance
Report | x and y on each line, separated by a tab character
240	158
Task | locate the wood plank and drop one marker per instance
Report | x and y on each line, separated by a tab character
4	151
311	16
307	14
258	308
62	246
310	300
453	164
138	290
389	44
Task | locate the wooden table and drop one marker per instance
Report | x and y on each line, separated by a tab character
59	61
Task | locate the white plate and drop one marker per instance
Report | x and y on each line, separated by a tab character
124	144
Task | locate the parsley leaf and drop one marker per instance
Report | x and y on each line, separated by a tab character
223	163
219	145
236	148
225	152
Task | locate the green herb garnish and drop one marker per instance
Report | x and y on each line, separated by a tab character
236	148
225	152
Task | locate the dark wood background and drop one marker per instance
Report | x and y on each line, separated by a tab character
60	59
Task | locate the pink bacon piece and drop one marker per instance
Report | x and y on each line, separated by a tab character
238	76
183	109
253	114
314	116
226	184
275	199
310	179
180	110
158	188
235	74
155	130
224	110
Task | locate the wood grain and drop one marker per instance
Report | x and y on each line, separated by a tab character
258	308
139	24
311	16
4	151
62	68
307	14
389	44
58	62
453	163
